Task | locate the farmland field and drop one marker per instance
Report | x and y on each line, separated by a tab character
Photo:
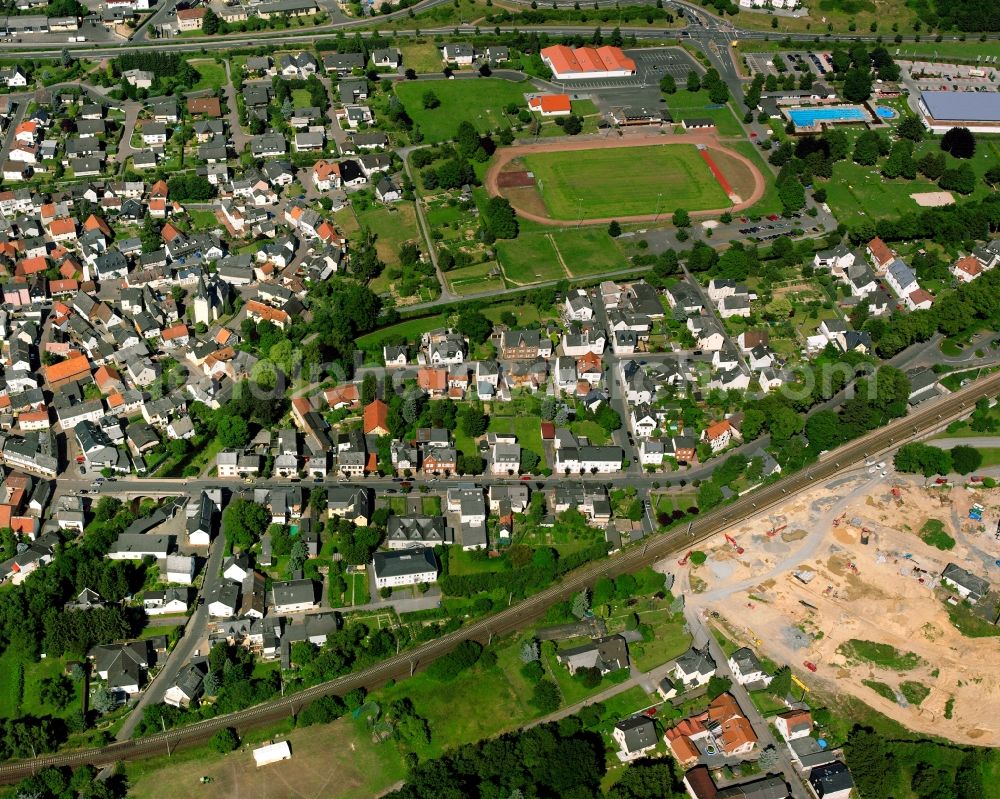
480	102
618	182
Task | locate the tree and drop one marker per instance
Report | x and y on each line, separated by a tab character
910	127
66	58
225	740
614	229
959	142
693	82
871	763
709	495
581	604
232	432
244	522
530	651
472	421
430	100
467	138
922	459
500	219
858	85
56	691
965	459
369	388
717	686
545	696
781	685
823	430
932	165
210	22
102	701
572	125
681	218
668	85
473	324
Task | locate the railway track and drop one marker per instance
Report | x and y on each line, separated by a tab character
923	421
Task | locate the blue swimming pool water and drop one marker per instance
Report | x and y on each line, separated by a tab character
885	112
807	117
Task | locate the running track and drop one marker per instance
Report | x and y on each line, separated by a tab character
507	154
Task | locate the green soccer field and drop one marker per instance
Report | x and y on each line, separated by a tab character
625	181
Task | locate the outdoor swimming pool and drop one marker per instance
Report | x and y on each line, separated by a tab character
810	117
885	112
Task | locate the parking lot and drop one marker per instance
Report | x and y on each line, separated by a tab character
929	76
641	90
798	61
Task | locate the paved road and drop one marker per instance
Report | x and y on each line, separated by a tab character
765	737
985	442
194	632
922	421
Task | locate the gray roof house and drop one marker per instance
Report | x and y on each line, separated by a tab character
968	585
606	654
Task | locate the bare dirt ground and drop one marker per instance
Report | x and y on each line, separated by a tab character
886	592
728	159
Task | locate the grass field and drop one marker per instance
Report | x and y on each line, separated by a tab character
392	225
589	251
530	258
526	428
480	102
335	760
884	655
213	75
409	330
473	279
421	56
692	105
610	182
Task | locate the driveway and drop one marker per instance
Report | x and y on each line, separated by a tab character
125	148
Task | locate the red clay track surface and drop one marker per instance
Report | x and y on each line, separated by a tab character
709	140
707	156
511	180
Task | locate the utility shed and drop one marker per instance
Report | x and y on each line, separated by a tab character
272	753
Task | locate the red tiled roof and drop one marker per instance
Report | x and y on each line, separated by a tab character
550	103
376	416
880	251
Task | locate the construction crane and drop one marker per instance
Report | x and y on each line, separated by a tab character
896	492
753	637
775	530
683	561
736	547
839	519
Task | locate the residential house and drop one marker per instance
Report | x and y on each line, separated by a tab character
408	567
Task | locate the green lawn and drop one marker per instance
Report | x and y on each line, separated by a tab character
589	251
421	56
480	102
474	279
914	692
11	685
530	258
300	98
857	192
410	330
884	655
201	219
592	430
670	640
625	181
212	75
933	534
687	105
392	226
526	428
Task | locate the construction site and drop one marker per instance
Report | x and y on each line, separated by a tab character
844	585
